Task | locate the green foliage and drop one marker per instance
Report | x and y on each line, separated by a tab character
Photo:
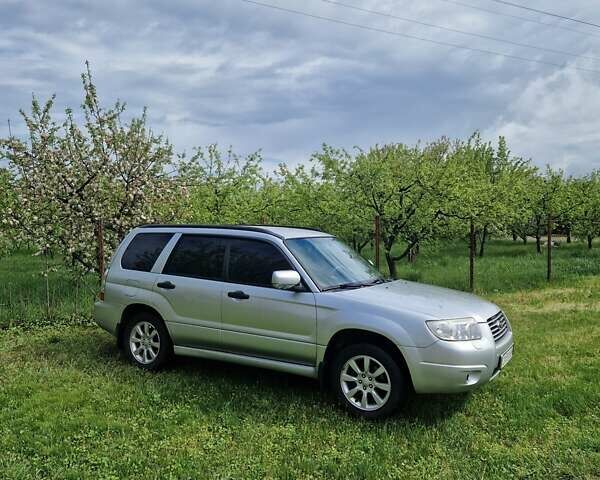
225	188
484	185
551	198
586	215
401	185
337	204
300	196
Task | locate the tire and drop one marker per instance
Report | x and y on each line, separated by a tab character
365	395
147	342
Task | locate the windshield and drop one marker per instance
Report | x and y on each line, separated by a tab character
332	264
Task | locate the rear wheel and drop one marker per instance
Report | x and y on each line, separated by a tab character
147	341
368	382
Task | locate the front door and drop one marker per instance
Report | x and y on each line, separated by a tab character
258	319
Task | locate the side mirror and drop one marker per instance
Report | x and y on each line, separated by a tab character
285	279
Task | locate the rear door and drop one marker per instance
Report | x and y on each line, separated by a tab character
258	319
131	276
191	284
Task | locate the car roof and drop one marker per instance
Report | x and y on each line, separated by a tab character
283	232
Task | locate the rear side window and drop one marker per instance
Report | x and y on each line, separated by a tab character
253	262
143	250
197	256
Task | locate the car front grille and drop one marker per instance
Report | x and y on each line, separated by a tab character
498	325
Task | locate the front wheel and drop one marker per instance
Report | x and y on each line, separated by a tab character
368	381
148	344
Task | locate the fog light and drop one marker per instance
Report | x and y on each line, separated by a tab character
471	378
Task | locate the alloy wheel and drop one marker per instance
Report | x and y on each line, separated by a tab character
144	342
365	383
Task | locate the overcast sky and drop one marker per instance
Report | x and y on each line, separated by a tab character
257	78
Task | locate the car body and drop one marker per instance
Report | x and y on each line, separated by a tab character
268	296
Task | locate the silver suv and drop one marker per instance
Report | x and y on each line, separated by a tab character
299	301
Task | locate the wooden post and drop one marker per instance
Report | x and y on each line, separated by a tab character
377	240
472	256
549	271
47	275
100	247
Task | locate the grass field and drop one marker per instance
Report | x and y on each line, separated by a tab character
71	407
27	299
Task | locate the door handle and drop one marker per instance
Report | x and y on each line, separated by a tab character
166	285
239	295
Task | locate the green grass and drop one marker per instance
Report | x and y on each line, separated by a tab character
27	300
71	406
506	266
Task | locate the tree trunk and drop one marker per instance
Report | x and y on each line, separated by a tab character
589	241
472	247
538	243
361	246
514	236
100	247
377	240
549	270
391	264
524	237
412	254
568	234
483	239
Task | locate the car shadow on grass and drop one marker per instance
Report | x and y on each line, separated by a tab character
427	410
225	387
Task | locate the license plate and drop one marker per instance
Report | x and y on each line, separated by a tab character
506	357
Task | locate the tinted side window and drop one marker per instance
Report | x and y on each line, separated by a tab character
197	256
143	250
253	262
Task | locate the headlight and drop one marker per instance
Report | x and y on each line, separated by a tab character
456	329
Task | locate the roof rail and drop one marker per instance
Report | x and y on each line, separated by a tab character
249	228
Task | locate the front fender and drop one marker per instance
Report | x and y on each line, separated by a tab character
405	329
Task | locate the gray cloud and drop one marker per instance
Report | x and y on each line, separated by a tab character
238	74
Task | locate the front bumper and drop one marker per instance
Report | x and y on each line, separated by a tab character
449	367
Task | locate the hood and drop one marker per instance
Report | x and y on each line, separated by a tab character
427	300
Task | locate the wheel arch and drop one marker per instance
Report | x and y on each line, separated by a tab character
352	336
128	313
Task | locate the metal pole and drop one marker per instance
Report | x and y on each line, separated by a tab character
549	271
100	247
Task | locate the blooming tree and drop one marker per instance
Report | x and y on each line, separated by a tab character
6	202
69	179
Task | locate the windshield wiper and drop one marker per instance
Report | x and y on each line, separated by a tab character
378	280
344	286
350	285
